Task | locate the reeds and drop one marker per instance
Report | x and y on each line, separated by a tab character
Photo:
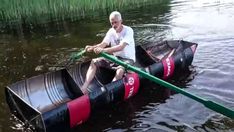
41	11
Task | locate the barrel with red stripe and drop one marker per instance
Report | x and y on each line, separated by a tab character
78	110
166	68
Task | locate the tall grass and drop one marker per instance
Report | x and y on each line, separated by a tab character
41	11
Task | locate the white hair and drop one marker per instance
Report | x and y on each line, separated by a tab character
115	14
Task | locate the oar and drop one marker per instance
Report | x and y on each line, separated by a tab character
78	55
209	104
75	56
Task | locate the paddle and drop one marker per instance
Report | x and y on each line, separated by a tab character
75	56
209	104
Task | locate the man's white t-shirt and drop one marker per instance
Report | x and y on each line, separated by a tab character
126	35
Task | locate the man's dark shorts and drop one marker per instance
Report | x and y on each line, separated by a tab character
102	62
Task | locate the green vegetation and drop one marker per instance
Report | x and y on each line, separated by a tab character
43	11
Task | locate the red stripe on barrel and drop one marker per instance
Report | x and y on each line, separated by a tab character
168	66
79	110
131	84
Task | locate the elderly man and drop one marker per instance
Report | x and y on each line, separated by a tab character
119	41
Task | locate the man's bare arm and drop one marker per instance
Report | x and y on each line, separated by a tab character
112	49
90	48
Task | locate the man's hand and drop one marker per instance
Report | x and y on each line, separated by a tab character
99	50
89	48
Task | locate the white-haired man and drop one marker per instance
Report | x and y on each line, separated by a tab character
119	41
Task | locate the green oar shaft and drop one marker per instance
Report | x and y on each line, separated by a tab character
75	56
209	104
78	55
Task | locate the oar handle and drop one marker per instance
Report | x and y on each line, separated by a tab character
209	104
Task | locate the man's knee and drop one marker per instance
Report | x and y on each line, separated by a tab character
92	64
119	74
95	60
120	71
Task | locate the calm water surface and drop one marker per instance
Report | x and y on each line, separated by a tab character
210	23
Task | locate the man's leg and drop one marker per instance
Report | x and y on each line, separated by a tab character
89	76
119	74
121	70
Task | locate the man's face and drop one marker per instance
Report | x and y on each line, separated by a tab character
115	23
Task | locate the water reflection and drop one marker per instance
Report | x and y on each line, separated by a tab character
209	24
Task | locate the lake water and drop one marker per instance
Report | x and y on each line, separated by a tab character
210	23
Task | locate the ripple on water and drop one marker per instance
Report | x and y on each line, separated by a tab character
178	113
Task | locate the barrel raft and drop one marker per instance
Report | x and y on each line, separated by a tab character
54	102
